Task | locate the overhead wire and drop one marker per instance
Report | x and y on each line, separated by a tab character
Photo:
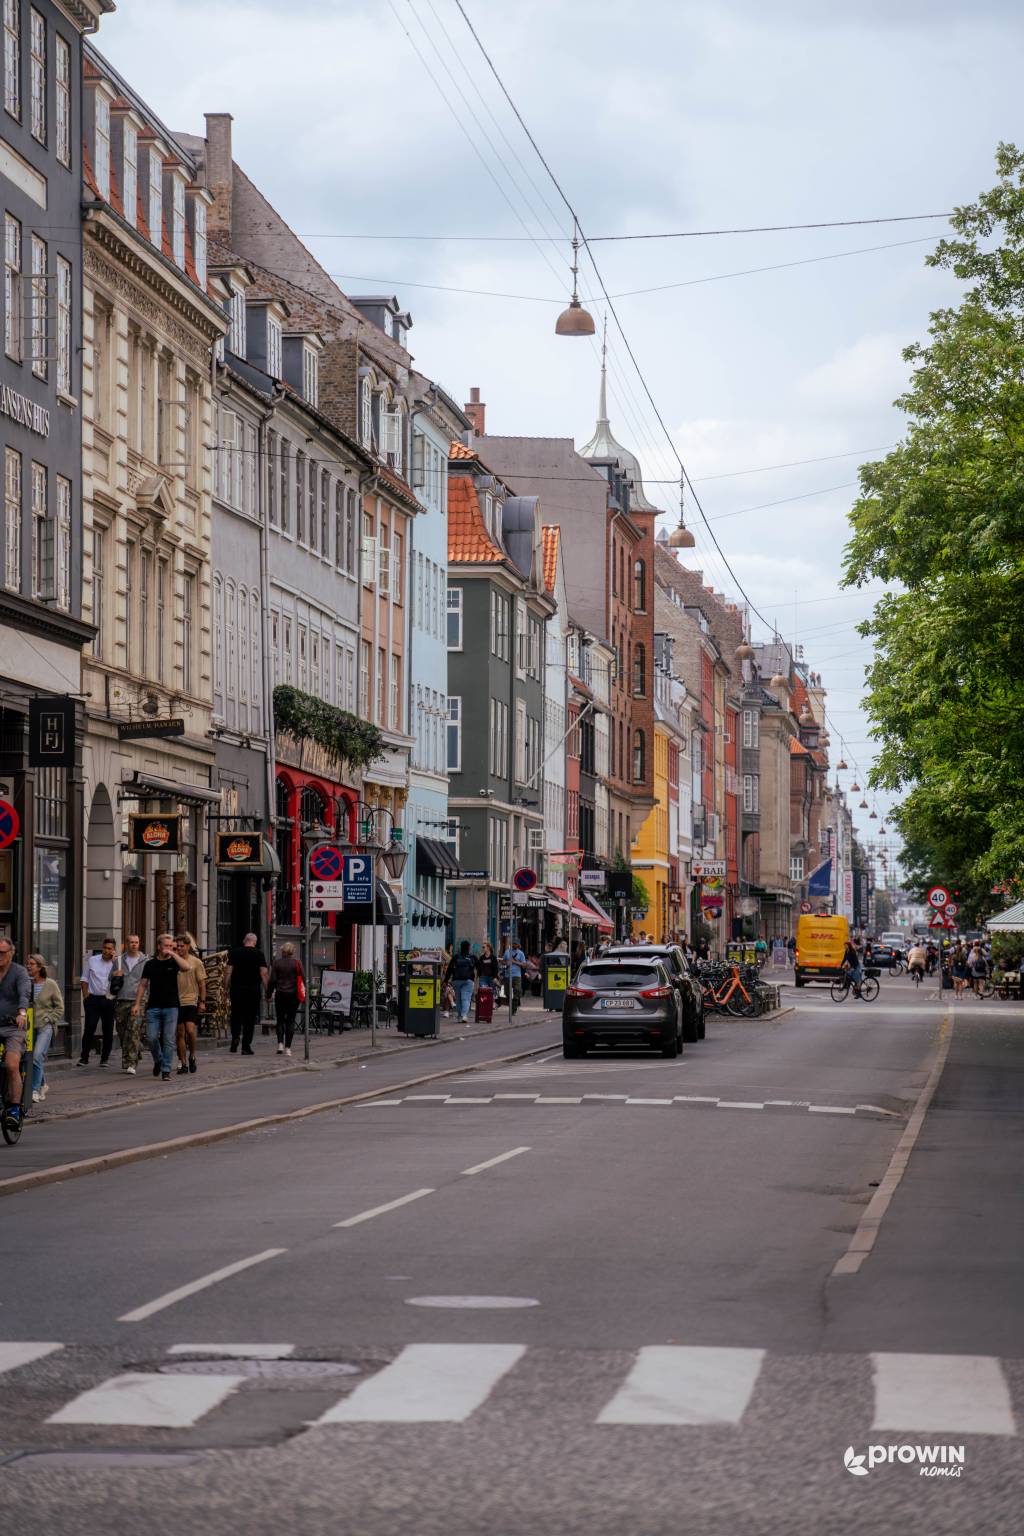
672	234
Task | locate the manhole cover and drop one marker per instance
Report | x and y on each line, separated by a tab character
282	1370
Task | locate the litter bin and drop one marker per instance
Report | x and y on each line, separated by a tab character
418	994
556	979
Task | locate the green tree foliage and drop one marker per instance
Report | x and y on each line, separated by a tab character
941	519
354	742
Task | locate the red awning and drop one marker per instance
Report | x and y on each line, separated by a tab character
604	922
580	913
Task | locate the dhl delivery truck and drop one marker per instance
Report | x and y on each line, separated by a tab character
820	945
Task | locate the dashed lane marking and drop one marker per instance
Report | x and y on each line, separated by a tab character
802	1106
492	1162
139	1314
381	1210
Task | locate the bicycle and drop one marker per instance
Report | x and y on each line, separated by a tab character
12	1128
724	997
866	990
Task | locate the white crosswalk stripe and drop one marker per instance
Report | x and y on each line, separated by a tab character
428	1384
137	1397
436	1383
674	1384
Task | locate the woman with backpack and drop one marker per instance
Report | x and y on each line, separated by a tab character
461	973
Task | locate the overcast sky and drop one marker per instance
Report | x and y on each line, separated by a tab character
658	116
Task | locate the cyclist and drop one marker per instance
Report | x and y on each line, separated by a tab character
761	951
853	965
15	997
917	960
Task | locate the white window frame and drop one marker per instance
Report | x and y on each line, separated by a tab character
40	307
62	125
310	376
37	73
155	197
42	556
62	545
12	287
12	58
453	735
199	244
455	612
101	143
178	219
130	172
236	315
796	869
274	344
13	495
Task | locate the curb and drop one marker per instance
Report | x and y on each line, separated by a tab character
62	1171
332	1063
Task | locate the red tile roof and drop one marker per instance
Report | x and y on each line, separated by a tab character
460	451
550	536
797	748
468	539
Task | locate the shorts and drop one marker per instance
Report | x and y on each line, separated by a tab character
188	1013
11	1035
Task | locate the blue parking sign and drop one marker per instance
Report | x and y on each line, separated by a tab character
357	878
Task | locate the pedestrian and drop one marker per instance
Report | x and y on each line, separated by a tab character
761	951
98	1002
514	960
959	971
487	967
978	969
15	997
47	1016
157	997
461	973
791	947
283	987
447	990
191	1002
245	980
129	974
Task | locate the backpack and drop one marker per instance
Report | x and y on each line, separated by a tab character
463	968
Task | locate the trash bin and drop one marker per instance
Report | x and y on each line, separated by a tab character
418	994
556	979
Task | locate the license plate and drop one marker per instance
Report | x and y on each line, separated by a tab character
618	1002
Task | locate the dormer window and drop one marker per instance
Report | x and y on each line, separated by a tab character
156	195
273	348
389	323
130	176
177	181
365	412
102	145
236	313
199	238
310	376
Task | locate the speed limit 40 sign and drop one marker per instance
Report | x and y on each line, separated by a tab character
938	897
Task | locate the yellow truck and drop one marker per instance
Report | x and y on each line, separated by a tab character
820	945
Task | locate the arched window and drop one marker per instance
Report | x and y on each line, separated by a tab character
312	808
639	670
639	757
640	587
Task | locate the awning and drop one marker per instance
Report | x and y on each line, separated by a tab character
604	922
435	859
388	911
1010	921
558	898
146	786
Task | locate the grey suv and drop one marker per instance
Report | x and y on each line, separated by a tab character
622	1000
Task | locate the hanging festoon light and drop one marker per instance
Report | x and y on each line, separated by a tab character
842	765
681	537
744	651
863	805
855	788
873	816
575	321
806	718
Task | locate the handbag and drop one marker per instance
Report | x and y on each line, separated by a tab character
300	987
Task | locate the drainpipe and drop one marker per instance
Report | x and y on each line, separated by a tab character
268	672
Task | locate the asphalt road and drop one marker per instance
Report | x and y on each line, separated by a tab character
549	1296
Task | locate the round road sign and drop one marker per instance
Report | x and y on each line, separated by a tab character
10	823
951	909
524	879
326	862
938	897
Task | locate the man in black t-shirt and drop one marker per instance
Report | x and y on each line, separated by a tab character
246	979
158	996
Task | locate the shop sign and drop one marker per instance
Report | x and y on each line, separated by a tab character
51	742
712	898
239	850
709	869
142	730
592	879
24	411
154	834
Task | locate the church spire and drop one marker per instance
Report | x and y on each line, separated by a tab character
602	403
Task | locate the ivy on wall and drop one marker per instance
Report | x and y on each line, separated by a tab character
355	742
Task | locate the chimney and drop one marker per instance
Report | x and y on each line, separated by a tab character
475	410
219	173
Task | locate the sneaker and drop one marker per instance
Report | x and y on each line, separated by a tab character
44	1090
104	1063
81	1063
280	1050
234	1045
130	1071
13	1113
287	1050
192	1064
156	1069
248	1053
182	1070
37	1098
166	1076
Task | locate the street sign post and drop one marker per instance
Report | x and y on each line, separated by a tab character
326	896
325	861
524	879
357	877
10	823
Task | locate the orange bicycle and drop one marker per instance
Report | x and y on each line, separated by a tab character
725	990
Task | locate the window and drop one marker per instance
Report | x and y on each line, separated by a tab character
351	501
199	247
365	412
300	496
39	307
640	587
396	566
369	552
751	794
144	567
751	728
455	618
63	326
796	869
395	703
161	619
497	846
311	491
339	526
639	670
62	545
382	685
310	376
63	146
42	557
499	739
218	645
12	519
272	481
188	609
156	196
165	452
12	57
273	348
520	741
499	625
522	641
236	316
454	734
639	757
314	664
284	480
325	514
384	569
364	678
37	67
102	134
178	220
12	287
99	541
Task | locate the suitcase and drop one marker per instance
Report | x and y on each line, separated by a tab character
484	1005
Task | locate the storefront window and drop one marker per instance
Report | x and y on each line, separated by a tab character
49	931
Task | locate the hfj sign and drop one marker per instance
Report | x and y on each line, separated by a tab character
24	411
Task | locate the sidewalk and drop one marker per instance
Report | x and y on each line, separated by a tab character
75	1091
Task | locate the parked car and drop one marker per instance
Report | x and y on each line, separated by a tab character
622	1000
691	993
